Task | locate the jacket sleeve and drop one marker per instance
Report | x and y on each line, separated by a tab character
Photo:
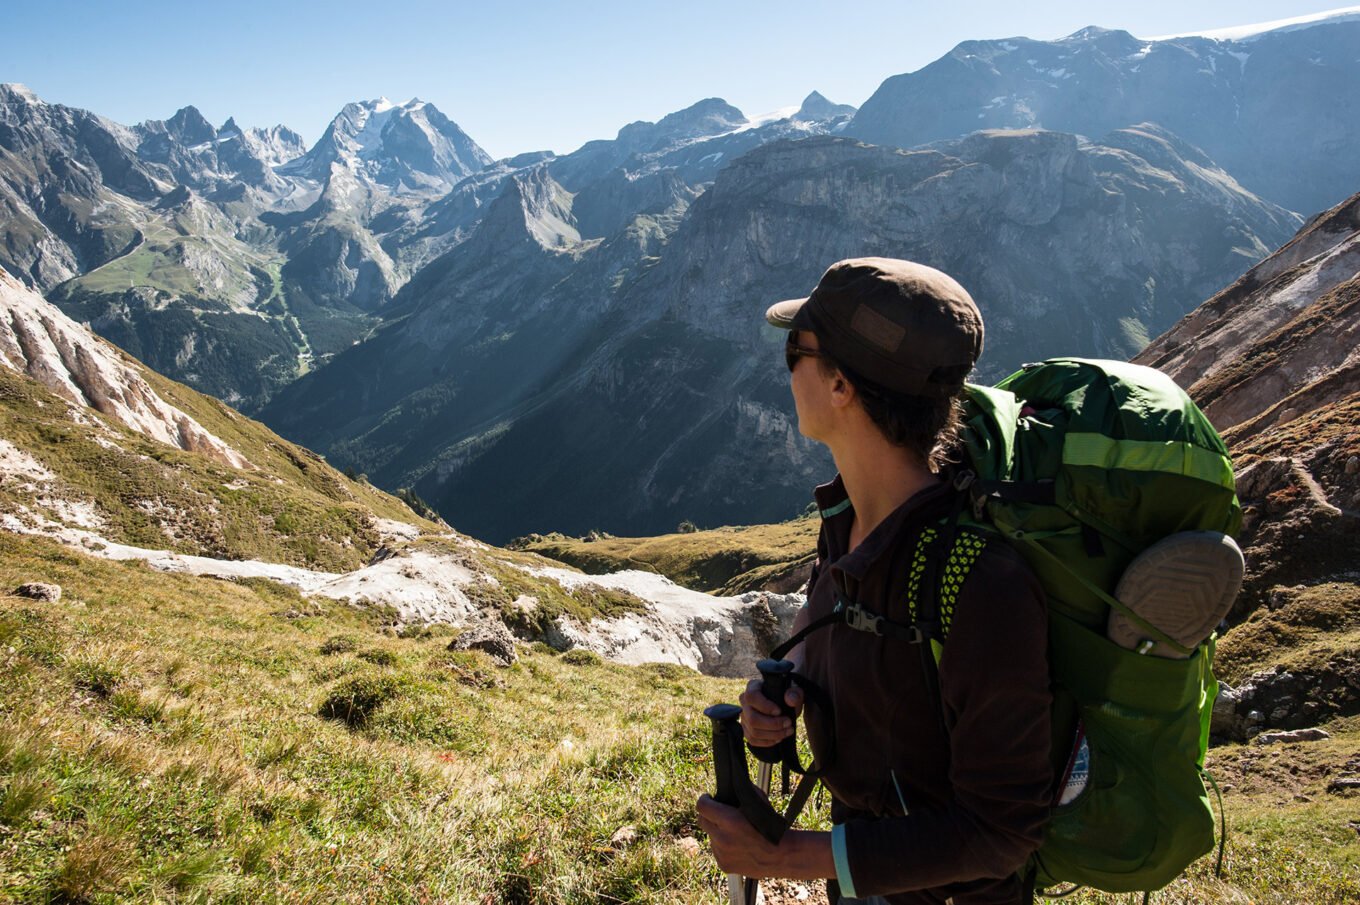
994	685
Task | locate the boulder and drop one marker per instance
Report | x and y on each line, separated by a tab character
36	590
1295	735
491	637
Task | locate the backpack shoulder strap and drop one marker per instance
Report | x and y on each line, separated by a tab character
932	602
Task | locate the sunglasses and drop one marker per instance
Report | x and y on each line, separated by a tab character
793	352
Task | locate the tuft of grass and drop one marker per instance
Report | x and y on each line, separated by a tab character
20	796
277	749
194	871
354	700
379	656
99	675
135	705
99	863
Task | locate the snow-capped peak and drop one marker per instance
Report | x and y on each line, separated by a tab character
22	91
381	105
1244	32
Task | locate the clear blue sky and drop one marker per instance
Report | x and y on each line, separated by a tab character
529	75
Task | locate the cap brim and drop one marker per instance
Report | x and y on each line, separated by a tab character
781	314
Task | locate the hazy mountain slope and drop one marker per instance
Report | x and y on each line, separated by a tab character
628	384
1278	110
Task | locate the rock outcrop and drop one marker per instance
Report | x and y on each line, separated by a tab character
38	340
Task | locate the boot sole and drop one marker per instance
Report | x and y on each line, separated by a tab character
1184	585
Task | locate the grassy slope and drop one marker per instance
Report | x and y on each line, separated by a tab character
292	508
720	560
162	739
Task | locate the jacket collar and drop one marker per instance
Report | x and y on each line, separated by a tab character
838	515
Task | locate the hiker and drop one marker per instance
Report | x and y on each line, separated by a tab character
941	778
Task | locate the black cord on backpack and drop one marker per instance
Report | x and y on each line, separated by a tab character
1222	824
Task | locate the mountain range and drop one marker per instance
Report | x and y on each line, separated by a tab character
573	341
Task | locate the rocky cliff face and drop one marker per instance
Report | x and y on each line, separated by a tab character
654	334
228	164
1274	109
1273	361
70	183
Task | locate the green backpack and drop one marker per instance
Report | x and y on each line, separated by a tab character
1080	465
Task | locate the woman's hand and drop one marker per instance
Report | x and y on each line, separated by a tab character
761	721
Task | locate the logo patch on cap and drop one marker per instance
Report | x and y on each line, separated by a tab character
877	329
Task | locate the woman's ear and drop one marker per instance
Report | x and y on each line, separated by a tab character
842	390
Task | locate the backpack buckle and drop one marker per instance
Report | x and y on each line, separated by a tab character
861	620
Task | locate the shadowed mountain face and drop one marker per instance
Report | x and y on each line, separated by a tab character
628	383
1278	110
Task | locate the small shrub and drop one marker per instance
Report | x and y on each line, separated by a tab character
356	699
339	644
379	656
579	656
543	647
673	672
686	527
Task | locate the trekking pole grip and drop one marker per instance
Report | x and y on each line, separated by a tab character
727	736
776	677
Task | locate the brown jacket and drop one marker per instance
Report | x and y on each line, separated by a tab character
976	793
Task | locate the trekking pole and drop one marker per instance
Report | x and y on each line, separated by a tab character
727	736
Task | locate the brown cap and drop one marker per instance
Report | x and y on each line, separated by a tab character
906	327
